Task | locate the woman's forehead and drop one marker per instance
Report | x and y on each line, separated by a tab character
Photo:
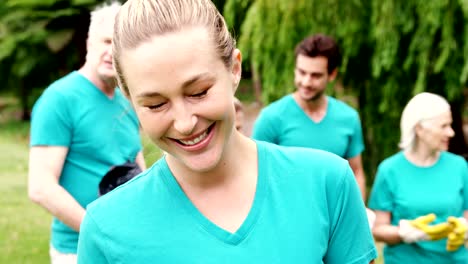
439	119
186	45
171	59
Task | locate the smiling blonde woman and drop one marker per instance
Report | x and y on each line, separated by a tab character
216	196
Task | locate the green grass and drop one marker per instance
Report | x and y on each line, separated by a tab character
24	226
150	151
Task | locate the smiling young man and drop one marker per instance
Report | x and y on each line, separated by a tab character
81	126
310	118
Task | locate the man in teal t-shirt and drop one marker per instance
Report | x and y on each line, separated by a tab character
81	126
310	118
316	216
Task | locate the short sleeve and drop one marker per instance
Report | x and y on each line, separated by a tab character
51	123
90	249
264	128
350	239
381	197
356	144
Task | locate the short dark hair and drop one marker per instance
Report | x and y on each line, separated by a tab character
320	45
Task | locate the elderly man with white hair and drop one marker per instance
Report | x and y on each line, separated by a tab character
420	195
81	127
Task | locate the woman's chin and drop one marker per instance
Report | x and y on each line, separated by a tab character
200	163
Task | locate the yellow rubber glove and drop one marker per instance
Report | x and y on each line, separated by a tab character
457	237
435	232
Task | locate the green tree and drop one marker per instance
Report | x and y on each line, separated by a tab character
392	49
40	40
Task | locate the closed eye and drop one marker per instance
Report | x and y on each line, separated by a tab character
157	106
199	94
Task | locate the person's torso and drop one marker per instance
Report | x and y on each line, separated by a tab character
333	133
104	132
418	191
290	220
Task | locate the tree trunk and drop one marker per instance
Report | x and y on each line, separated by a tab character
24	92
257	85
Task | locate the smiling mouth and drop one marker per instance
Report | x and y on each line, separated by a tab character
198	139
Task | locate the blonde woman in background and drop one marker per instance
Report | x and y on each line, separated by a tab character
217	196
420	195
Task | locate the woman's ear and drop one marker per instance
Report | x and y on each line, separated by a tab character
236	68
418	129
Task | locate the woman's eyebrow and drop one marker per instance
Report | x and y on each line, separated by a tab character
196	78
199	77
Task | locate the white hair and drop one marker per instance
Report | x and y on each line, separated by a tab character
421	107
102	13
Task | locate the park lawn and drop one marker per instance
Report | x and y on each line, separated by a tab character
24	226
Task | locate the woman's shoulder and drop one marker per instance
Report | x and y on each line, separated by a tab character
302	161
299	153
126	197
392	161
453	159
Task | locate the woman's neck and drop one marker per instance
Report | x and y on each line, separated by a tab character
422	156
239	160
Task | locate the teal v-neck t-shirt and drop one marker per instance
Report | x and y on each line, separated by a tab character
307	209
99	132
284	123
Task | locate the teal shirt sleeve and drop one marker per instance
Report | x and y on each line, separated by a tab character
356	143
381	194
90	243
264	128
350	235
51	123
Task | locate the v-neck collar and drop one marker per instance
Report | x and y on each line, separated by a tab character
304	114
210	227
98	91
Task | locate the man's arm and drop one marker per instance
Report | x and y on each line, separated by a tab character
45	168
356	165
140	161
